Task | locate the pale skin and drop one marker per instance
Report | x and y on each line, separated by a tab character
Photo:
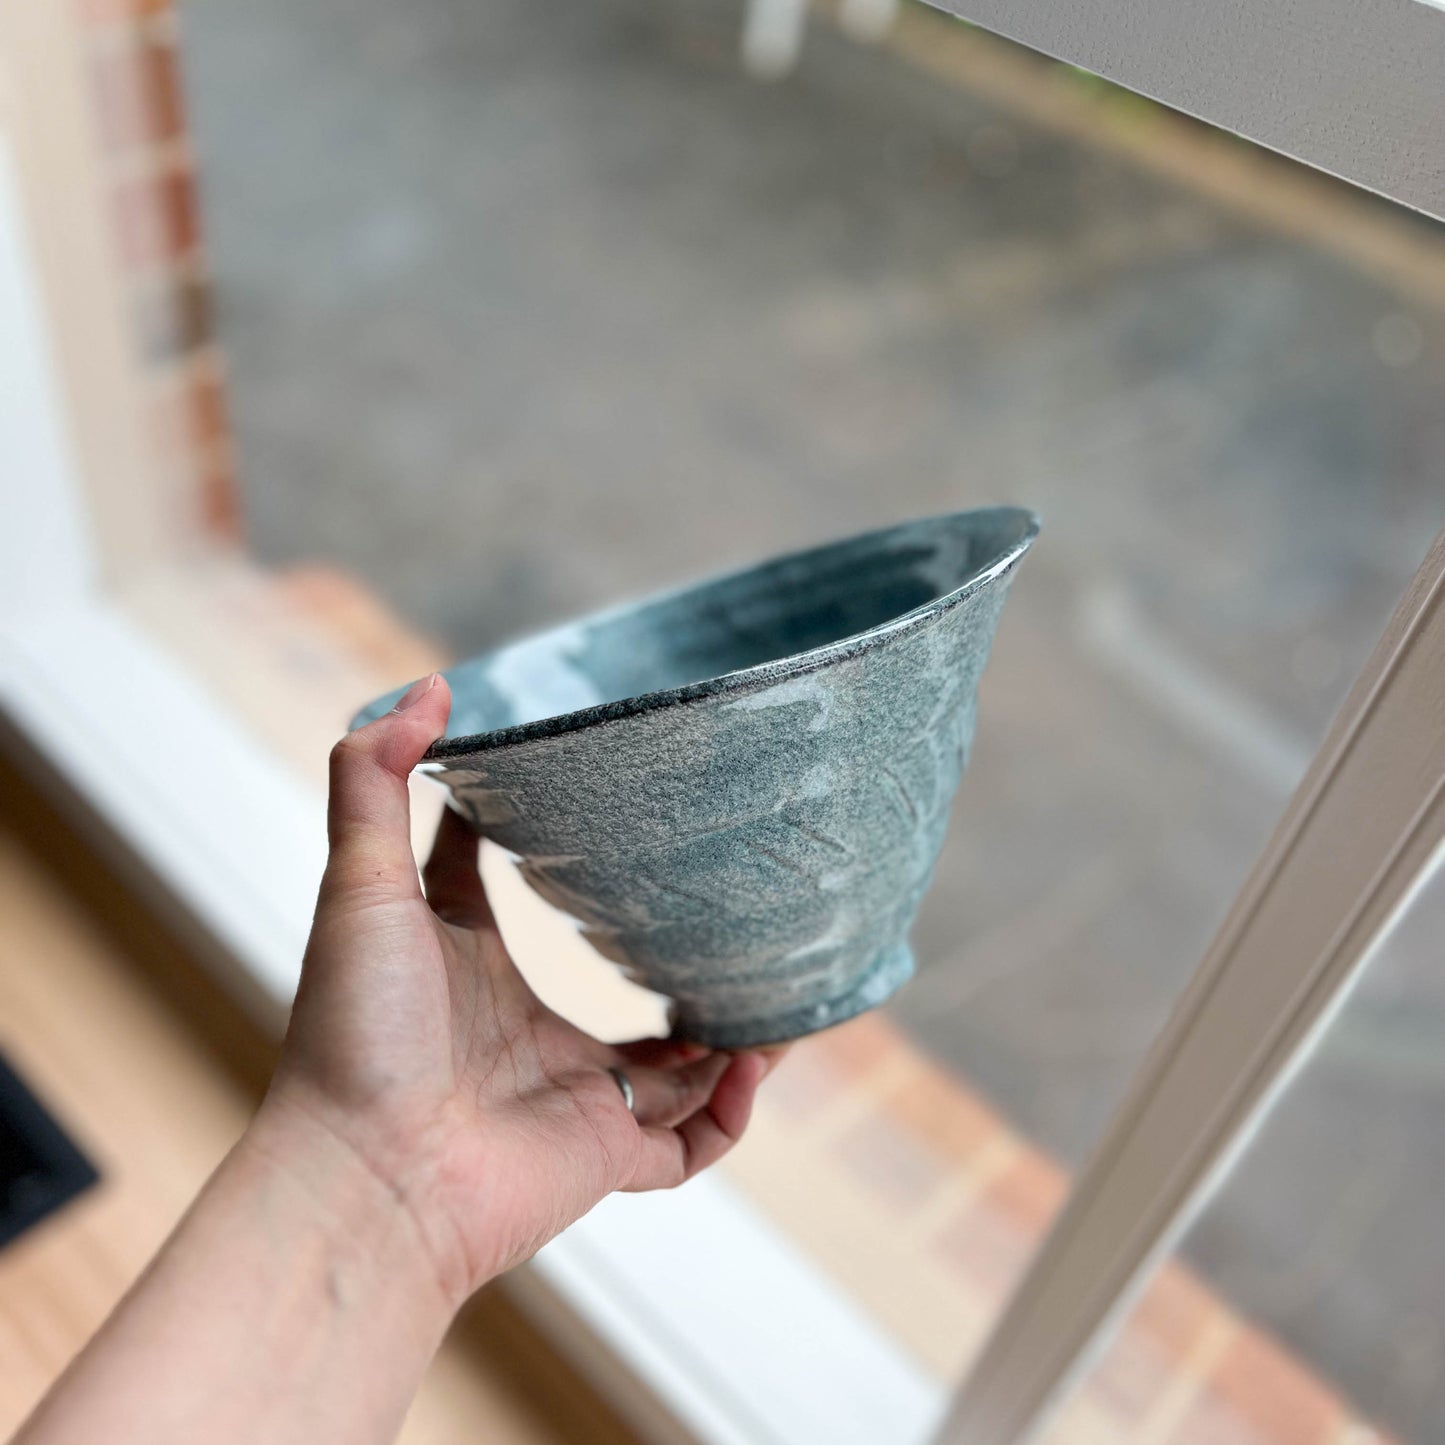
430	1124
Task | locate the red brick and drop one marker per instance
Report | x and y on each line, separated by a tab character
1275	1394
110	12
210	421
155	218
189	419
1031	1190
136	93
1174	1310
220	496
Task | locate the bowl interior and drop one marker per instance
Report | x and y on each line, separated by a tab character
791	605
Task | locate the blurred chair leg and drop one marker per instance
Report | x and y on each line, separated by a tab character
773	37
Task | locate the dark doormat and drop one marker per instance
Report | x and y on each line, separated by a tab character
40	1169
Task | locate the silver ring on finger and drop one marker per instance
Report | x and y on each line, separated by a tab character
625	1084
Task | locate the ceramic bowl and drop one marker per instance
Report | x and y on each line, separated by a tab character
740	788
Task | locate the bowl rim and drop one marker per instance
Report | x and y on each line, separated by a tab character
745	679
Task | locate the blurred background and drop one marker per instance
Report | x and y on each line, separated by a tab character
499	313
528	310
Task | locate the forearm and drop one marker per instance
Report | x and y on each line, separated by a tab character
294	1302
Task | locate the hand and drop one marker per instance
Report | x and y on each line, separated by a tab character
418	1050
430	1124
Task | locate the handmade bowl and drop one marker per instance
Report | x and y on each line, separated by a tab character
740	788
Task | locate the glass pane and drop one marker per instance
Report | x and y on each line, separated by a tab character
1307	1303
527	312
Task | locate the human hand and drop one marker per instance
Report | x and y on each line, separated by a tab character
430	1123
418	1053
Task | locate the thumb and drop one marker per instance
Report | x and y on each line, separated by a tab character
368	817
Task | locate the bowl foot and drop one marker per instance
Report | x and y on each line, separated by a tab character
880	981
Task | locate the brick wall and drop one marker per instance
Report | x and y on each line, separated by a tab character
138	105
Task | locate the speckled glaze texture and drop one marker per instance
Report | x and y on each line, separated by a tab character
739	789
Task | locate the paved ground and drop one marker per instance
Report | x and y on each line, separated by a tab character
532	307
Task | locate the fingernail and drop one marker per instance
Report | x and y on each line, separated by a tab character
416	692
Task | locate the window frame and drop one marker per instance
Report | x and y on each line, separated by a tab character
1348	88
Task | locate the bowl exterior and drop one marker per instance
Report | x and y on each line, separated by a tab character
758	853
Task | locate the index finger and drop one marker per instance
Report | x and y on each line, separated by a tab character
670	1157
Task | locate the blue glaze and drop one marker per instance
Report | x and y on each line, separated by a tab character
740	788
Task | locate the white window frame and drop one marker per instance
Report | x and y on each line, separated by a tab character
1352	87
701	1319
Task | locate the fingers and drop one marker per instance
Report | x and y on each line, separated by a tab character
659	1053
451	877
671	1156
670	1053
772	1055
369	810
662	1098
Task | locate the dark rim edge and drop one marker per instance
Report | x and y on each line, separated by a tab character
763	674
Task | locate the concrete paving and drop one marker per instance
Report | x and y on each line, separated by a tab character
529	308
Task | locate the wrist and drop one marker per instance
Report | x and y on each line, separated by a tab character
376	1246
